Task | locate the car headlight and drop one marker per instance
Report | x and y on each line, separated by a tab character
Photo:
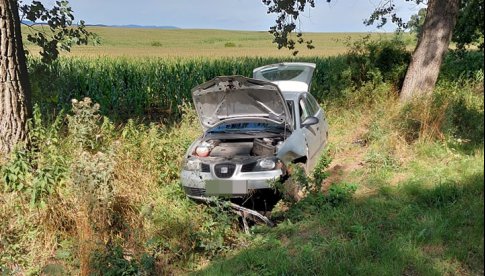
267	164
192	165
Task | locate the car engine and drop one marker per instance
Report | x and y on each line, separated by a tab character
239	148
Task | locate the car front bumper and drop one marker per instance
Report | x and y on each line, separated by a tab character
197	183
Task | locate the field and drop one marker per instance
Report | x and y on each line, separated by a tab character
128	42
97	192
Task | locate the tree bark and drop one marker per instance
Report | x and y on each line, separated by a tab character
432	46
14	81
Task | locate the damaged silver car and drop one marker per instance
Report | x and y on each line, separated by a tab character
253	128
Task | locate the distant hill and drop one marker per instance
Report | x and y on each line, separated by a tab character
30	23
135	26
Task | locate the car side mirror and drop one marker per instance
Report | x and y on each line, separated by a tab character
309	121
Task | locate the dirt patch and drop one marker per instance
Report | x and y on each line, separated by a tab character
398	178
343	164
434	249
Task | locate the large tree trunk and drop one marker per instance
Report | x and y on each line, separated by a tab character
432	46
14	83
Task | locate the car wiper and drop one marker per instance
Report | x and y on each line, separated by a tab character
220	131
227	131
262	131
246	131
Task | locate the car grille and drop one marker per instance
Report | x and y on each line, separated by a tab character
205	168
249	167
194	191
224	170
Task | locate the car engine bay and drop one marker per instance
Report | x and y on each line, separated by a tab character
232	148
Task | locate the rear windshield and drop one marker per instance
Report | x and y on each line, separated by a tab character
278	74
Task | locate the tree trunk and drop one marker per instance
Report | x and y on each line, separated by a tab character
432	46
14	82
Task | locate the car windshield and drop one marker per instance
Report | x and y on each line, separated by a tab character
247	128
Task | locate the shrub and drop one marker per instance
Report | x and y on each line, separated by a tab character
38	171
340	193
113	262
377	61
156	44
461	66
452	111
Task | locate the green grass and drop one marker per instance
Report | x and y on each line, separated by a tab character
421	213
421	216
98	191
407	230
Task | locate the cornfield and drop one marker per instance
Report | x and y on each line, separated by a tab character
127	88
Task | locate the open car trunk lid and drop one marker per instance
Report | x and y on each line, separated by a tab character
230	97
289	76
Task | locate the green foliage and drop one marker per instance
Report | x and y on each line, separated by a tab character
320	171
61	33
299	175
415	23
84	123
121	180
92	174
15	172
379	159
212	234
469	29
287	12
348	238
153	89
339	194
454	111
377	61
439	196
40	170
385	11
314	203
229	44
92	177
112	262
156	44
459	66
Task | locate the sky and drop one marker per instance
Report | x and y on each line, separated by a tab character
337	16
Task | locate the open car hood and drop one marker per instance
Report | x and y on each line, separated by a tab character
230	97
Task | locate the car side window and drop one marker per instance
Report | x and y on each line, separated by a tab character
290	104
312	103
304	112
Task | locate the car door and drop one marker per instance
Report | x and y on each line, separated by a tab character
322	120
311	133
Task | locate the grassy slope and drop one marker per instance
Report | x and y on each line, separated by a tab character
418	210
208	43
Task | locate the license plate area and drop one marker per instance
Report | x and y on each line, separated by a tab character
224	187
